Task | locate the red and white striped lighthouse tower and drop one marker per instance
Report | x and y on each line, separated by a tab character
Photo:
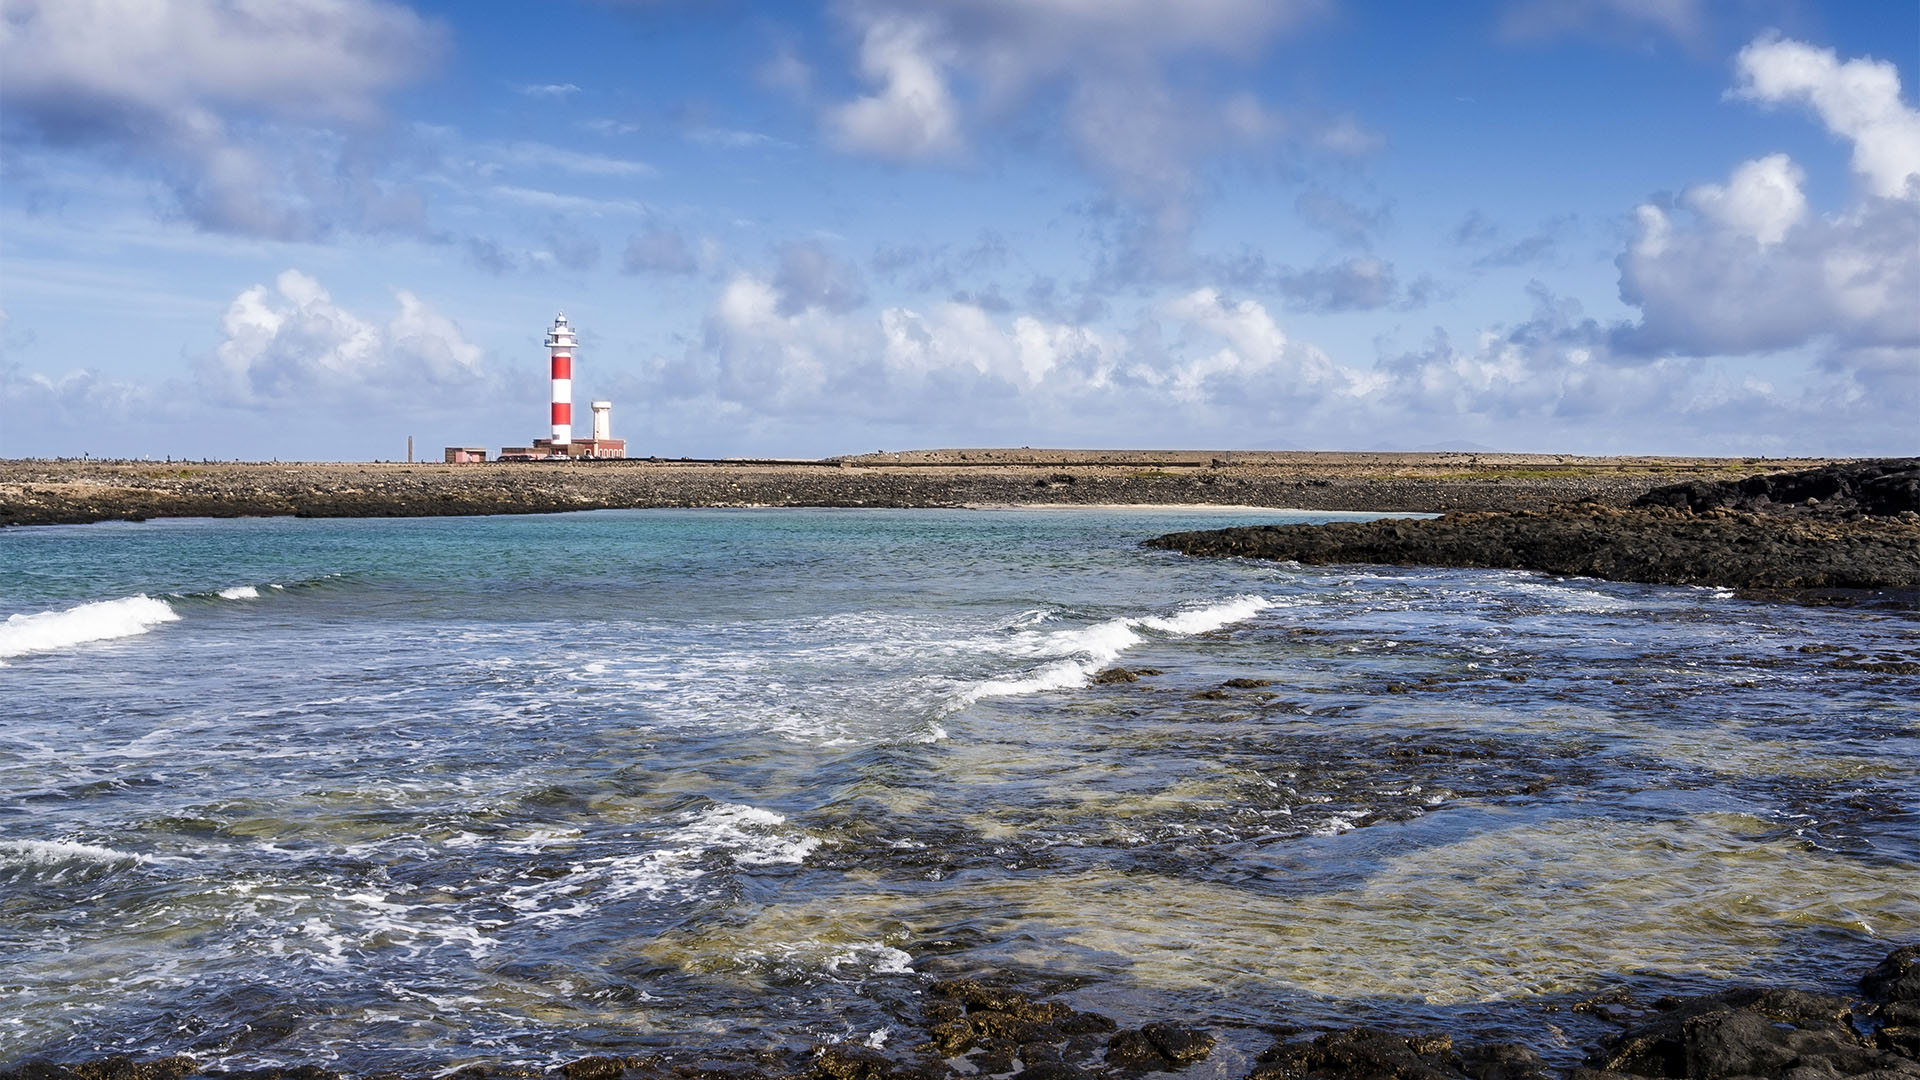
560	345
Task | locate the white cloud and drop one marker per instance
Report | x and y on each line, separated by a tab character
294	374
786	71
767	361
1708	288
810	277
912	116
761	355
327	58
1201	369
610	127
941	67
1256	348
1752	270
547	156
1762	200
1348	138
801	364
558	91
1858	100
735	139
660	249
560	202
185	85
292	345
1028	354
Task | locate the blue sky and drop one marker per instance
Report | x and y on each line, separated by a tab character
312	228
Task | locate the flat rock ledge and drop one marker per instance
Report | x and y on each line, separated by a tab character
981	1029
1863	535
1656	546
74	492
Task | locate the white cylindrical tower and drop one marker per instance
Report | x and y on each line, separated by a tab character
560	343
602	421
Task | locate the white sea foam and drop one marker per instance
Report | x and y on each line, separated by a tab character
752	833
874	958
749	835
838	959
240	592
102	620
1084	650
1335	825
1212	617
57	861
50	852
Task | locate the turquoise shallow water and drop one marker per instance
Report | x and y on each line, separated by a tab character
401	794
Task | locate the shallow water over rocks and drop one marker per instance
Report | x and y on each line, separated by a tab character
403	795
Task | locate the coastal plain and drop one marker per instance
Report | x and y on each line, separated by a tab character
66	491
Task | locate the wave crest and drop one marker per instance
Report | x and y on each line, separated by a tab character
1085	650
101	620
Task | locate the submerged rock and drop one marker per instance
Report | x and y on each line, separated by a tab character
978	1029
992	1024
116	1067
1897	978
1360	1053
1158	1046
1750	1032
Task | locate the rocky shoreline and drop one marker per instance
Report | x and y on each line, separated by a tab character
1851	526
73	492
974	1028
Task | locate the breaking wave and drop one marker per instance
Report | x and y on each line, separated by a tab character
101	620
1082	651
52	862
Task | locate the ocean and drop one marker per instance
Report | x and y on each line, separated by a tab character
409	794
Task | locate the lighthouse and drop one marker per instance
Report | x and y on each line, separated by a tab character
563	446
560	344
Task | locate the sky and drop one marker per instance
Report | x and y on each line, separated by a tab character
312	229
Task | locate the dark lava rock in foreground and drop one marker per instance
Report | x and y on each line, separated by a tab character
1866	537
973	1029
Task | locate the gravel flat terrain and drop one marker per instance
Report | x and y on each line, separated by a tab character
36	492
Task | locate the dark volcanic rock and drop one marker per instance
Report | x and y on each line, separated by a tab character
117	1067
981	1030
1897	978
1750	1032
1360	1053
965	1016
1853	525
1659	546
1157	1046
1502	1061
1883	488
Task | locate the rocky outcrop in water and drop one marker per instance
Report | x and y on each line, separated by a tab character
1867	537
1884	488
972	1028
